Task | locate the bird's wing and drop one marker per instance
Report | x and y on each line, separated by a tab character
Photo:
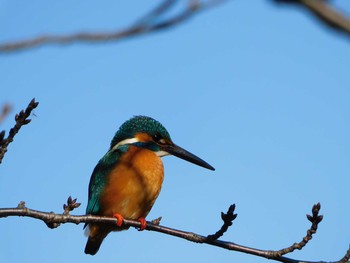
98	180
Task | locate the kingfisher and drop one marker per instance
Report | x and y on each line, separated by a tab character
127	180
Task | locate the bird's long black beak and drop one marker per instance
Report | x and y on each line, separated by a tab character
185	155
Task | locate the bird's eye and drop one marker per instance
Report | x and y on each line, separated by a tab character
158	139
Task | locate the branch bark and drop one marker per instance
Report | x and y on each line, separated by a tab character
54	220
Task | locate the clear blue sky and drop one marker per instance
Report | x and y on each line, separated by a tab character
259	91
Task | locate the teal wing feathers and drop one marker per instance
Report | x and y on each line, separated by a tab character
99	179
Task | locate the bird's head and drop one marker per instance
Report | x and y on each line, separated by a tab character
145	132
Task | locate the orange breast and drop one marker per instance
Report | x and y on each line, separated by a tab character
133	185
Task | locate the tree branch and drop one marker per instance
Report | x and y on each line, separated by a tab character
53	220
21	119
324	12
150	22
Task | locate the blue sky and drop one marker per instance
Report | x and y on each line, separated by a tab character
259	91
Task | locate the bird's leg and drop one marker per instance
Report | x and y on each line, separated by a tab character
119	218
143	222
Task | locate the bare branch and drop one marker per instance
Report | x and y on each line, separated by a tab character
148	23
52	219
324	12
152	22
228	219
21	119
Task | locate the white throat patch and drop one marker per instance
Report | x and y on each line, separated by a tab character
162	153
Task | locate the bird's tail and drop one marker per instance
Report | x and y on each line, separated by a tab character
92	246
96	236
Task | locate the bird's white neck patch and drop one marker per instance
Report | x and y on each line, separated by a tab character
123	142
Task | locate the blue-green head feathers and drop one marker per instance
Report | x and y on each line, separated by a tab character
139	124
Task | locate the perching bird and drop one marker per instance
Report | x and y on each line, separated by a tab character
127	180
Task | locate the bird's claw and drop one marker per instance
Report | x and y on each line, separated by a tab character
119	218
143	223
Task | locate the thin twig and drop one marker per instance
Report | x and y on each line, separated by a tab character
315	219
21	119
150	22
162	8
52	218
228	219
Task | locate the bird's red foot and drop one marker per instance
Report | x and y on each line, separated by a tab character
120	219
143	223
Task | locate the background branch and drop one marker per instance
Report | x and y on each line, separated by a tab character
53	220
150	22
